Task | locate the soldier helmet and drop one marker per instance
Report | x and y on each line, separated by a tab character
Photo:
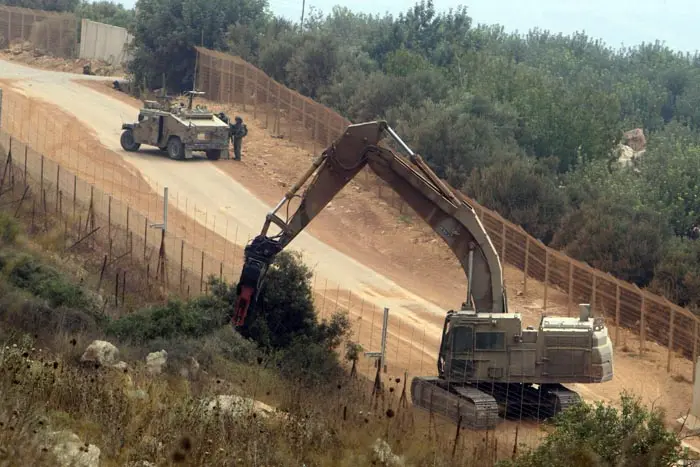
239	119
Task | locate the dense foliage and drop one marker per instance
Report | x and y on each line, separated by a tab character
601	435
105	12
526	124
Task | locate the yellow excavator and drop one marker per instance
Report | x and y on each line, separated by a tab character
489	367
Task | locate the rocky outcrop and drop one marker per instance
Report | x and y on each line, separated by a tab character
635	139
156	361
237	406
382	454
71	451
190	369
101	353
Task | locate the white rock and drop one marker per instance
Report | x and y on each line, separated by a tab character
71	451
120	366
155	361
382	453
137	394
101	352
238	406
191	368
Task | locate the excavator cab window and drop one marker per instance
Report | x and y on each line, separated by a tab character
492	340
462	339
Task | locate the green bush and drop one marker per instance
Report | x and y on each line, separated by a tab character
35	317
602	435
194	318
33	275
9	229
222	343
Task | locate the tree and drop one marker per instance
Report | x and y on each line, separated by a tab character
48	5
166	32
106	12
612	235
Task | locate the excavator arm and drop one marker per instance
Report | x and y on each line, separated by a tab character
362	144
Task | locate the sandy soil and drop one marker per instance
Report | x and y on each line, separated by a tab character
376	235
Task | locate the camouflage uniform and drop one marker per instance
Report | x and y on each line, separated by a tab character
238	132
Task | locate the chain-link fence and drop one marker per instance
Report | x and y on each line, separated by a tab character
50	32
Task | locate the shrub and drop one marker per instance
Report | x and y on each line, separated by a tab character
9	228
284	323
31	274
309	361
222	344
194	318
601	435
285	307
34	317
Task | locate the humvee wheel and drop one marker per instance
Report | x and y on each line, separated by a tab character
176	150
214	154
128	141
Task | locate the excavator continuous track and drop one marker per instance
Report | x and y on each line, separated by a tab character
483	405
477	409
529	401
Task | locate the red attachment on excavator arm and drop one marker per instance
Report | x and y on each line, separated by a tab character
242	304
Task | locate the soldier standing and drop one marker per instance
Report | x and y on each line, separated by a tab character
238	132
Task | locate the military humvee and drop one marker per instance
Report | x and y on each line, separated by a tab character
177	129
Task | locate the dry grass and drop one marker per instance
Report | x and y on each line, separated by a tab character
45	393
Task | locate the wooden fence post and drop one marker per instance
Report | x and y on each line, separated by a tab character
617	313
126	238
670	337
695	346
267	104
571	288
527	260
109	218
75	192
145	236
245	78
58	181
546	277
503	242
594	284
642	324
41	188
201	274
182	261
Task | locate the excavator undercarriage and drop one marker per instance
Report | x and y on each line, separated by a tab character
483	405
489	366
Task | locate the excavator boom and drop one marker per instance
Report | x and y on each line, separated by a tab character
451	218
